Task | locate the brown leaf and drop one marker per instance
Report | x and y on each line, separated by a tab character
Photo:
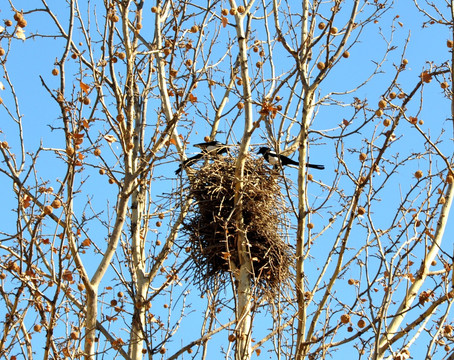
86	242
85	88
192	98
67	275
110	138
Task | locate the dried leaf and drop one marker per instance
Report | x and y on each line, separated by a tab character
192	98
67	275
110	138
225	21
172	141
86	242
2	87
20	34
2	29
78	135
85	88
151	318
66	352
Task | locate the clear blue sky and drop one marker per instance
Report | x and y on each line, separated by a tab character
35	57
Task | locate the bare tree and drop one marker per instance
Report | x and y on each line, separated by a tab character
96	256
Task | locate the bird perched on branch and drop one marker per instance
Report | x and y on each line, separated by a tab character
208	148
212	146
188	162
275	159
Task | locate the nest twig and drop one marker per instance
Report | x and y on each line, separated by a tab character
211	227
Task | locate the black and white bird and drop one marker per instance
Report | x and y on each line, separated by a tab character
212	147
275	159
208	148
188	162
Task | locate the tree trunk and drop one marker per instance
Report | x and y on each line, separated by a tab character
244	277
90	322
138	274
301	230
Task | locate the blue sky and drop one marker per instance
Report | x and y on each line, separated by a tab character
35	57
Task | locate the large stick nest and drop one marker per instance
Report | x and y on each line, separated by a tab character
212	229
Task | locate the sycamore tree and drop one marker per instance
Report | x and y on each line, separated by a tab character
101	101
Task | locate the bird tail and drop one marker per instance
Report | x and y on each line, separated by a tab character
290	162
318	167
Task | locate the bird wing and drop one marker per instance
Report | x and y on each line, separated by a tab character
287	161
188	162
208	144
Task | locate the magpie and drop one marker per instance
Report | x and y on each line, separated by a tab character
274	159
212	146
208	148
188	162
